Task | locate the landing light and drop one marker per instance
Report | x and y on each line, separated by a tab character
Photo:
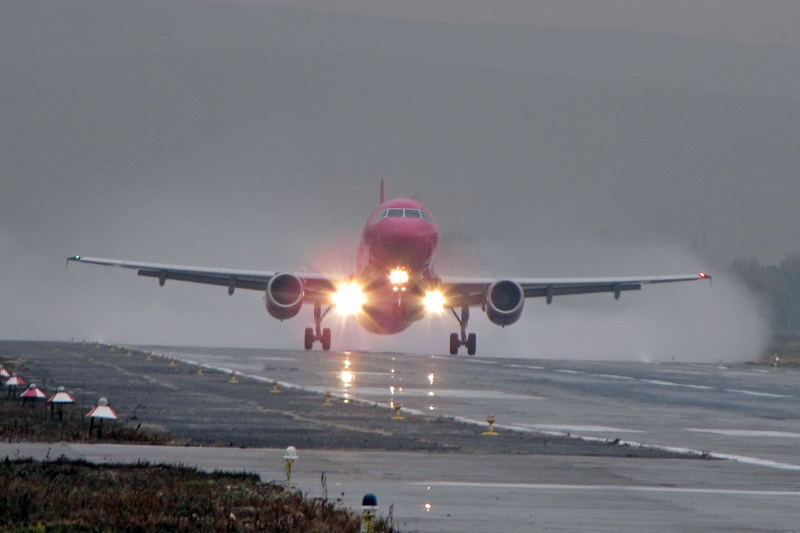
348	299
398	276
434	302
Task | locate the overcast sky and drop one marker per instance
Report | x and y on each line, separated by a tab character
773	22
548	138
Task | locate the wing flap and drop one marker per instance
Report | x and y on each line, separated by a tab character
238	282
567	290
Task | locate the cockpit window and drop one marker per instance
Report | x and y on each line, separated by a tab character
400	213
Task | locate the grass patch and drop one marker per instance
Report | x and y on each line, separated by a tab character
75	496
34	424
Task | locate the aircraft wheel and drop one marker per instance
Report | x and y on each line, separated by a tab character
472	343
455	342
326	339
309	338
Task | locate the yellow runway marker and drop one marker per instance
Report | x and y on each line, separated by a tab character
490	420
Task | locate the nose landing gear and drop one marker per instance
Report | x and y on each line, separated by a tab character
456	341
318	333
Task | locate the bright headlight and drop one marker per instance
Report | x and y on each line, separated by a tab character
398	276
434	302
348	299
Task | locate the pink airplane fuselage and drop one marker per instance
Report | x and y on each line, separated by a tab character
395	242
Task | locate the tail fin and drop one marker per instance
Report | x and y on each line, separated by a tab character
383	190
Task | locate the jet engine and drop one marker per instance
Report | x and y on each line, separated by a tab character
284	296
504	302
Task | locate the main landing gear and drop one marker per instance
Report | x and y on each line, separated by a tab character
470	341
317	333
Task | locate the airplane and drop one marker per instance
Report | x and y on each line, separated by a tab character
394	283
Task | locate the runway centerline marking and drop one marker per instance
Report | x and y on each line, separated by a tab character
614	376
671	384
587	429
442	393
528	367
756	393
747	433
631	488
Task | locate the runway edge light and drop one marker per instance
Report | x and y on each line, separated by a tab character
490	420
369	511
290	457
397	406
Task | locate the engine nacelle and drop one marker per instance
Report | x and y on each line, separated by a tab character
504	302
284	296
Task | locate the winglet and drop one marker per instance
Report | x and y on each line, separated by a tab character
383	190
703	275
73	258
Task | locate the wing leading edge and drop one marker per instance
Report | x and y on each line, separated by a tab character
475	289
317	286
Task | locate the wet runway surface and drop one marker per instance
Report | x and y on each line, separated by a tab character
746	412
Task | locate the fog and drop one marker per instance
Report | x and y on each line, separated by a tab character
255	137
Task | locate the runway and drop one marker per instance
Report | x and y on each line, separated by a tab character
746	412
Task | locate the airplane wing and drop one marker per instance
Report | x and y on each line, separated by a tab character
474	290
317	287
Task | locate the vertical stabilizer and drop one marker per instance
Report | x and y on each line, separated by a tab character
383	190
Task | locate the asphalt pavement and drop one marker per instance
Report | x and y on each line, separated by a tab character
556	465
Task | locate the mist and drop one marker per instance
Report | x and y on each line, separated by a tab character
255	137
